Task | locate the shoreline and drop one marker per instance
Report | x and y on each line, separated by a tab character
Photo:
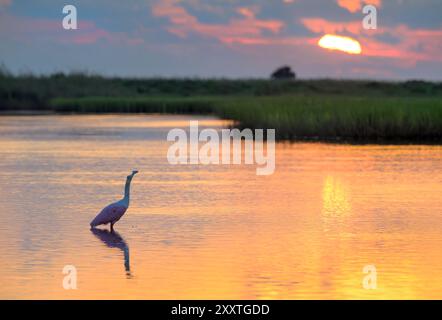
27	113
337	140
326	110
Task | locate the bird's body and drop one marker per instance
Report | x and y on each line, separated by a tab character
113	212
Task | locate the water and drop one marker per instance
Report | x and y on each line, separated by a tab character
204	232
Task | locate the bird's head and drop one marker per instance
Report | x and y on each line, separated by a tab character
134	172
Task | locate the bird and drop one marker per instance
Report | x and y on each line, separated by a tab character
113	212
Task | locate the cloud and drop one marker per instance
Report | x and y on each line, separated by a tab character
414	45
246	37
247	30
320	25
27	29
182	23
247	12
411	44
271	41
356	5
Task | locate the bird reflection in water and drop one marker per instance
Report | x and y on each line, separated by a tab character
113	240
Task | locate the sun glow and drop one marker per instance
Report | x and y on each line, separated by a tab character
340	43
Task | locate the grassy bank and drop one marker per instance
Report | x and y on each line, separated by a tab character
35	92
409	111
295	117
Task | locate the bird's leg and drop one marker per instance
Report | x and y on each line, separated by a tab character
112	226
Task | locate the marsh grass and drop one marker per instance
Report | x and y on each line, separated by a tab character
303	109
295	117
194	105
29	91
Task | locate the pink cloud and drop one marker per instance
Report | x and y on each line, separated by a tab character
183	23
412	44
319	25
356	5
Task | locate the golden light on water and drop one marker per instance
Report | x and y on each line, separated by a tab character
345	44
305	232
335	198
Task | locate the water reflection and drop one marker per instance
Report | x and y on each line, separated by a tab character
335	198
336	204
222	232
112	239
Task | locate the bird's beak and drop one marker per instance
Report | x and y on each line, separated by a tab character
134	172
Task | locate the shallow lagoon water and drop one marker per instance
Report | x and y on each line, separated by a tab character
215	231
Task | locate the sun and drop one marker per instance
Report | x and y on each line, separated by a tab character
345	44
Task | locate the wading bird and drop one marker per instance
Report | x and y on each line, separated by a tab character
113	212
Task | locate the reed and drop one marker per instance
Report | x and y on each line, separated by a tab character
295	117
321	109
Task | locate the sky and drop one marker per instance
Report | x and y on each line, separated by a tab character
228	38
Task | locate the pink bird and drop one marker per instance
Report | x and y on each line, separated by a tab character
113	212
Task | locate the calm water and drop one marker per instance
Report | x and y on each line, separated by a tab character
306	231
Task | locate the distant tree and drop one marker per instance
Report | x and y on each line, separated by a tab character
284	72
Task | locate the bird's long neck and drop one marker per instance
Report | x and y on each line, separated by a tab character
127	191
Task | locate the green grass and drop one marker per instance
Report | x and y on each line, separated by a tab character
343	110
32	92
183	105
295	117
